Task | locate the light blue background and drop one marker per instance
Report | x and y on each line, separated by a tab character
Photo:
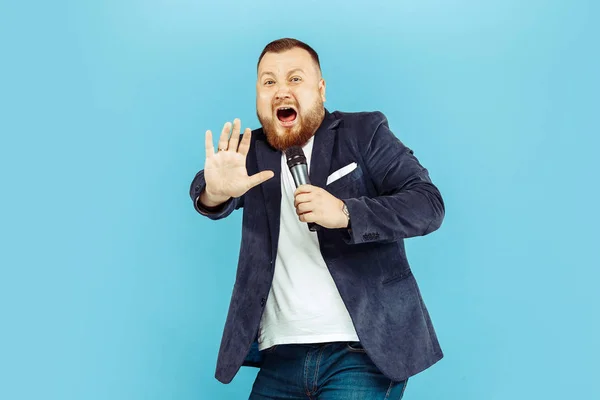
113	287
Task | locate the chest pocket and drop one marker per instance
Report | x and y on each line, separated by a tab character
348	184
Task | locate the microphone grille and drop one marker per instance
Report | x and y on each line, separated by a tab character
294	156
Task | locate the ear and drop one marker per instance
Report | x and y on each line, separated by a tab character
322	88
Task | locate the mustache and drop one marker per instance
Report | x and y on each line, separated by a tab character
285	104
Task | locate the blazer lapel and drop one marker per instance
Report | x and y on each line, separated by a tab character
320	162
269	159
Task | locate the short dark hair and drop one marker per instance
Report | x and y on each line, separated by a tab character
284	44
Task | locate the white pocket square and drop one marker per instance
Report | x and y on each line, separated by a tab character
341	172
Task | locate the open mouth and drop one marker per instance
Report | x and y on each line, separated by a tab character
286	115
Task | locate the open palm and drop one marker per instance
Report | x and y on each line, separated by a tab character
225	172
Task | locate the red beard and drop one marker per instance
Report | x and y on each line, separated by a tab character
297	135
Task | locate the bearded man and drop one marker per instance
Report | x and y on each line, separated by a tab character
327	313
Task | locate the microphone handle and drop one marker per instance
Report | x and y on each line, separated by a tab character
300	175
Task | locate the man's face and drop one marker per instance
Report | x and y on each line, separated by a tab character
289	97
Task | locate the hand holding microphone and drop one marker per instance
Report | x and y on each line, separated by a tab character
314	205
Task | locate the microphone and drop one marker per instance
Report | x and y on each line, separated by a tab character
296	161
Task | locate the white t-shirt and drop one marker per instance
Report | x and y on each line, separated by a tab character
304	305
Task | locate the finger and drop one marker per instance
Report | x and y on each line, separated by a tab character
307	217
259	178
304	208
208	144
224	139
302	198
235	135
245	142
303	189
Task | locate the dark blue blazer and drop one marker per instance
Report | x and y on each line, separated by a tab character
390	197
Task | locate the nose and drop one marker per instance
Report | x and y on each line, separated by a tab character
283	92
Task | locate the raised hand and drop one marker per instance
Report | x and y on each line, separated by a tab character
225	171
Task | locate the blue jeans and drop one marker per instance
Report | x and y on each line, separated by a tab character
322	371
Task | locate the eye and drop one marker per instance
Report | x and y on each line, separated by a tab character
269	82
296	79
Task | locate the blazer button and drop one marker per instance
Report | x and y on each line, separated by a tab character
263	301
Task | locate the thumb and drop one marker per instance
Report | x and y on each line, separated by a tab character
259	178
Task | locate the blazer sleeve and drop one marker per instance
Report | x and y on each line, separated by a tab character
407	204
197	187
